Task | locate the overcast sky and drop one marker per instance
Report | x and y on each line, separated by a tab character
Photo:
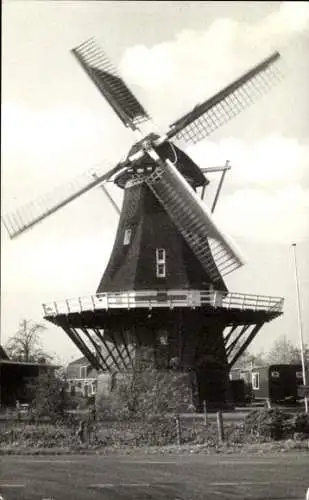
56	125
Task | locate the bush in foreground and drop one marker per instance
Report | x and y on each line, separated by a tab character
275	424
262	426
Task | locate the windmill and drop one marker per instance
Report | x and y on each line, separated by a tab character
163	286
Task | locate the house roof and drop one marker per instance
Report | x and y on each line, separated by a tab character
3	354
83	361
27	363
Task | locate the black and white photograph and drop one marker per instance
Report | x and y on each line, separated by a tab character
154	340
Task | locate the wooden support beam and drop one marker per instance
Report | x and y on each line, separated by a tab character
119	352
125	344
249	339
97	350
110	352
106	358
230	348
232	330
75	337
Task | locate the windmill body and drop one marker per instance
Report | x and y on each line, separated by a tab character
163	287
149	252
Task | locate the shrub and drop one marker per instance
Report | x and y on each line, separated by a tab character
266	424
296	424
38	436
146	392
49	397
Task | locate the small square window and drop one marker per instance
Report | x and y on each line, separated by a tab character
160	263
161	270
163	338
160	254
127	236
299	375
275	374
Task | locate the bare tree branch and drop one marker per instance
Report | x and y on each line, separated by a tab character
25	345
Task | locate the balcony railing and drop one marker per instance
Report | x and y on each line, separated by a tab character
170	299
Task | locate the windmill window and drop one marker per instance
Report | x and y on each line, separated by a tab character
275	374
255	381
160	263
299	375
162	337
161	270
127	236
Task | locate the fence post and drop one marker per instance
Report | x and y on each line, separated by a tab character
178	429
205	412
220	426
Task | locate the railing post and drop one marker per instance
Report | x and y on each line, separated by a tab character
220	426
80	303
205	412
230	299
68	305
178	429
56	307
93	303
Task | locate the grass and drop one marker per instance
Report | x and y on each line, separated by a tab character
262	430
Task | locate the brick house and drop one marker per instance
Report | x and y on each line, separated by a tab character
81	378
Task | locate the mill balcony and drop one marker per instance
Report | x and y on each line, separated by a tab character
170	299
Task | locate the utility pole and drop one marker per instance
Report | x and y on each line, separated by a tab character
300	326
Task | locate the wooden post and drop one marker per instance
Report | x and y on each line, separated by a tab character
220	426
205	412
178	429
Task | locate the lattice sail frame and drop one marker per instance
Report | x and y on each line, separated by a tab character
229	102
106	78
193	127
194	221
17	221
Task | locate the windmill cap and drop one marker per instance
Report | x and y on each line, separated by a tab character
184	164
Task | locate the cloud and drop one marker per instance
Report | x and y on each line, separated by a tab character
50	147
280	216
193	53
36	129
271	162
266	194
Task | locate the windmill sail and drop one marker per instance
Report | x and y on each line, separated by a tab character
226	104
194	126
30	214
104	75
194	221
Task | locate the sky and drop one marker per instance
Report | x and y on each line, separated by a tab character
55	126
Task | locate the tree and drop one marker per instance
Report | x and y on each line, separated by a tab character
247	360
285	352
48	394
25	344
146	391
